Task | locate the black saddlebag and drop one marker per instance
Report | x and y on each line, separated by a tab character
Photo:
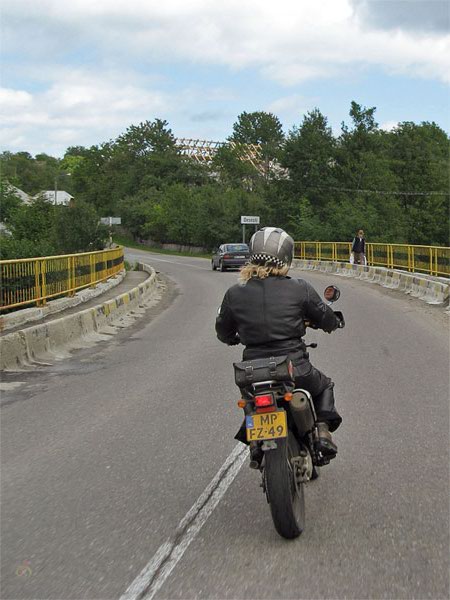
275	368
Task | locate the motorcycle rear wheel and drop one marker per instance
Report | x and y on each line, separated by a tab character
286	499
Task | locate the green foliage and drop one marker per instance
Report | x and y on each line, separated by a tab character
309	155
32	175
326	188
232	170
259	128
11	248
33	222
77	229
42	229
9	201
32	231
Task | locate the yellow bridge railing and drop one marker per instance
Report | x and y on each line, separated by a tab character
433	260
35	280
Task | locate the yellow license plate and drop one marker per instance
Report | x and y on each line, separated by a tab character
266	426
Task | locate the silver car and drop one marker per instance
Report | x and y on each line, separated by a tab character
230	256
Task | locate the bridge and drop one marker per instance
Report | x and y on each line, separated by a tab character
121	478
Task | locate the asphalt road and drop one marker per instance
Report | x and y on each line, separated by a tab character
105	453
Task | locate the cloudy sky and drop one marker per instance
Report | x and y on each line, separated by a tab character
80	72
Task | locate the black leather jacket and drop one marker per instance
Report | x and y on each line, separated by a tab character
268	315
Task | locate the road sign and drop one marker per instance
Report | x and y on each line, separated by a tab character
111	221
249	220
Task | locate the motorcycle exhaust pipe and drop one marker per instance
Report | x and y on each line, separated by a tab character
302	410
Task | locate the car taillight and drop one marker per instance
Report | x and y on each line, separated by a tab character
226	256
265	400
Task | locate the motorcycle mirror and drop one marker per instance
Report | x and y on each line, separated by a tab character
332	293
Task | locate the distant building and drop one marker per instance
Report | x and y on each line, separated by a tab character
24	197
4	230
62	198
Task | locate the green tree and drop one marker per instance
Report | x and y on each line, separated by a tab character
262	128
366	185
232	169
32	229
32	175
77	229
9	201
309	155
258	128
419	155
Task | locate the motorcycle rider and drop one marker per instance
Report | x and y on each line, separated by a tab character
266	312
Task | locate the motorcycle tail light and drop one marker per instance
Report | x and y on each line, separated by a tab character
265	400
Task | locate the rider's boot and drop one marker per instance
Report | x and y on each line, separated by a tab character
326	444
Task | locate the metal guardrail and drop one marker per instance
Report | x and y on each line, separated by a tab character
35	280
433	260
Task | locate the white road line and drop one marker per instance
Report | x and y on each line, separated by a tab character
155	573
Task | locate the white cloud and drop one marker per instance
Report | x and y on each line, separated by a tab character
389	125
288	40
77	109
13	99
290	109
125	42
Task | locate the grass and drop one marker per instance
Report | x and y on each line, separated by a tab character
130	243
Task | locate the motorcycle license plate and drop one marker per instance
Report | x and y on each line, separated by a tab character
266	426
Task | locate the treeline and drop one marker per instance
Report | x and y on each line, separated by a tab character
42	229
394	184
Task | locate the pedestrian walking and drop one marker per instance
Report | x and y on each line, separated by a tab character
359	248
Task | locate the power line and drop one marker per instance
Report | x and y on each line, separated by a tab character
381	192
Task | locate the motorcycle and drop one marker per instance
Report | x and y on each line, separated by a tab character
280	420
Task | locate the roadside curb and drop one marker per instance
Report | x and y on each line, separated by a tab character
429	290
36	313
46	342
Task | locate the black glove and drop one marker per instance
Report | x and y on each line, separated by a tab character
340	316
234	341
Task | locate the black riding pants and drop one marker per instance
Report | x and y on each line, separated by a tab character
320	387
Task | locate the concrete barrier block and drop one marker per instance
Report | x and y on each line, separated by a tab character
380	275
346	269
318	265
368	274
358	271
436	292
406	282
334	267
392	280
47	342
28	315
429	290
13	352
38	343
326	266
418	288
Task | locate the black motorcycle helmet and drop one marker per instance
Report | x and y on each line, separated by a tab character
271	246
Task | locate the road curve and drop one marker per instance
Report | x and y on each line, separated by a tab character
105	453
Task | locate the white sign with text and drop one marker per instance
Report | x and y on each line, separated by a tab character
249	220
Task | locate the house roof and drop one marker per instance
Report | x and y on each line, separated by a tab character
62	197
24	197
